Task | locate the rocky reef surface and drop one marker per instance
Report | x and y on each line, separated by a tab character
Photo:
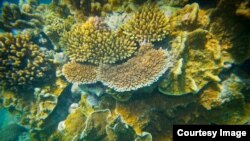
122	70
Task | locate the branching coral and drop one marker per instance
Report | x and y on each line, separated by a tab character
56	26
148	24
21	61
77	73
139	71
95	43
14	17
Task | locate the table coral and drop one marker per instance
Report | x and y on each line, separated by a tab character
21	61
95	43
139	71
199	63
77	73
148	24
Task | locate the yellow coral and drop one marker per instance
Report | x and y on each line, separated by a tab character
148	24
95	43
77	73
188	18
140	71
199	64
21	61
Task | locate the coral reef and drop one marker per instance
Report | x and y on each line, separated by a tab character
55	26
136	67
33	109
14	17
188	18
77	73
223	98
137	72
21	61
189	76
95	43
214	95
148	24
231	30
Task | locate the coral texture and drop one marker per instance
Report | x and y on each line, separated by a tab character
14	17
190	75
95	43
188	18
139	71
21	61
77	73
148	24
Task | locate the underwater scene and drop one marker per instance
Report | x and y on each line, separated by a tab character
121	70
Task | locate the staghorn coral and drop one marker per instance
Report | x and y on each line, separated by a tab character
95	43
188	18
190	75
77	73
21	61
148	24
139	71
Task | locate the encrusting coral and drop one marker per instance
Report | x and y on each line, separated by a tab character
21	61
79	73
190	75
188	18
94	42
148	24
140	71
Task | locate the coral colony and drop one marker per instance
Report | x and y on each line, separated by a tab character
122	70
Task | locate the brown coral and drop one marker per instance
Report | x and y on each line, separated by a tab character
140	71
21	61
77	73
148	24
95	43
